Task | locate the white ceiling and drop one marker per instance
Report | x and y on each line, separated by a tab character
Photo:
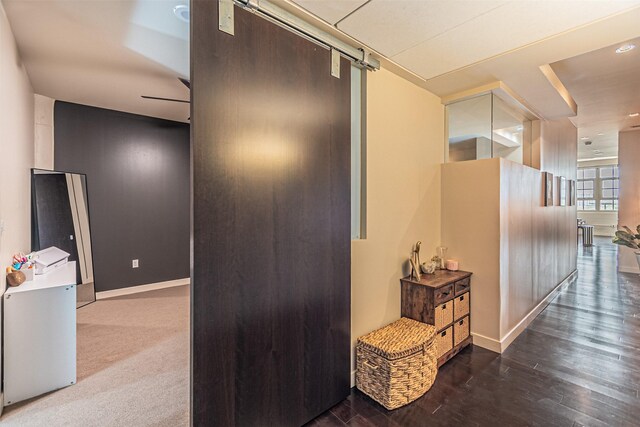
606	86
109	52
105	53
434	37
331	11
457	45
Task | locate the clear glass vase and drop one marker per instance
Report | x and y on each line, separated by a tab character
442	253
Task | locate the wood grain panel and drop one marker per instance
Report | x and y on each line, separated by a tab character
535	245
271	224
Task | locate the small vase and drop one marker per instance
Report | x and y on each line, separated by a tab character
442	253
16	278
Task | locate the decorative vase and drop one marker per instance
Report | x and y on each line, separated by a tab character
442	253
16	278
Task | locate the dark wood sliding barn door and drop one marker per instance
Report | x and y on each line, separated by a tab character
271	224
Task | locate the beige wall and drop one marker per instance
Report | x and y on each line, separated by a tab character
604	223
16	148
629	209
495	224
471	231
405	131
16	152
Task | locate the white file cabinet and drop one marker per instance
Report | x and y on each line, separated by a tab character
40	335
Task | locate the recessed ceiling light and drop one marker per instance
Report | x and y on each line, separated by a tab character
634	114
625	48
600	134
182	12
584	138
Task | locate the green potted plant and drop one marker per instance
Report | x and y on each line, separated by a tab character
626	237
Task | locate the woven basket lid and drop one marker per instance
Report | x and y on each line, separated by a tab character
399	339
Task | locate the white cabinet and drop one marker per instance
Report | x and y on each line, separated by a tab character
40	335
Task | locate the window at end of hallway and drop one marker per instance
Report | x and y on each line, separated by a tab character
598	188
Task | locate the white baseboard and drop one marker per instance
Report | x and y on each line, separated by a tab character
510	336
142	288
500	346
486	342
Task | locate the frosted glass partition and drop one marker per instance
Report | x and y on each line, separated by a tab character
486	127
469	129
509	128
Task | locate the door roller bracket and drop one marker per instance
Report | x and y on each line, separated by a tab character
225	16
335	63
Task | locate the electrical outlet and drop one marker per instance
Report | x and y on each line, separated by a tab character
134	263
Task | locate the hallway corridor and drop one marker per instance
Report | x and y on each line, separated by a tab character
576	364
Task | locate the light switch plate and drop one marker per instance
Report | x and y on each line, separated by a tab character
134	263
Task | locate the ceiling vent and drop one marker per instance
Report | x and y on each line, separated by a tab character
588	143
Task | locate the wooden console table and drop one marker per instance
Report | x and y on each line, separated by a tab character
443	300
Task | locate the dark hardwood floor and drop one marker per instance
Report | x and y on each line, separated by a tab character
576	364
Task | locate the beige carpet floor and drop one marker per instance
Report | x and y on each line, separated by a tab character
133	367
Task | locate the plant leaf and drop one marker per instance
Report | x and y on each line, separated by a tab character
624	242
628	230
624	235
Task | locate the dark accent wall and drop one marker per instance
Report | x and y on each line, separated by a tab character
138	176
271	224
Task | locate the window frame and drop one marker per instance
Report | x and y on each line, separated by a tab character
598	181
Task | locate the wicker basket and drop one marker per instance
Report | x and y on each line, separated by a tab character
461	306
444	315
444	342
397	364
460	330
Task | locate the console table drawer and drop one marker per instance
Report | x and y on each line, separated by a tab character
462	286
443	294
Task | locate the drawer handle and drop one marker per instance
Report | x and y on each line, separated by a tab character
444	306
444	294
461	322
462	298
369	365
443	334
